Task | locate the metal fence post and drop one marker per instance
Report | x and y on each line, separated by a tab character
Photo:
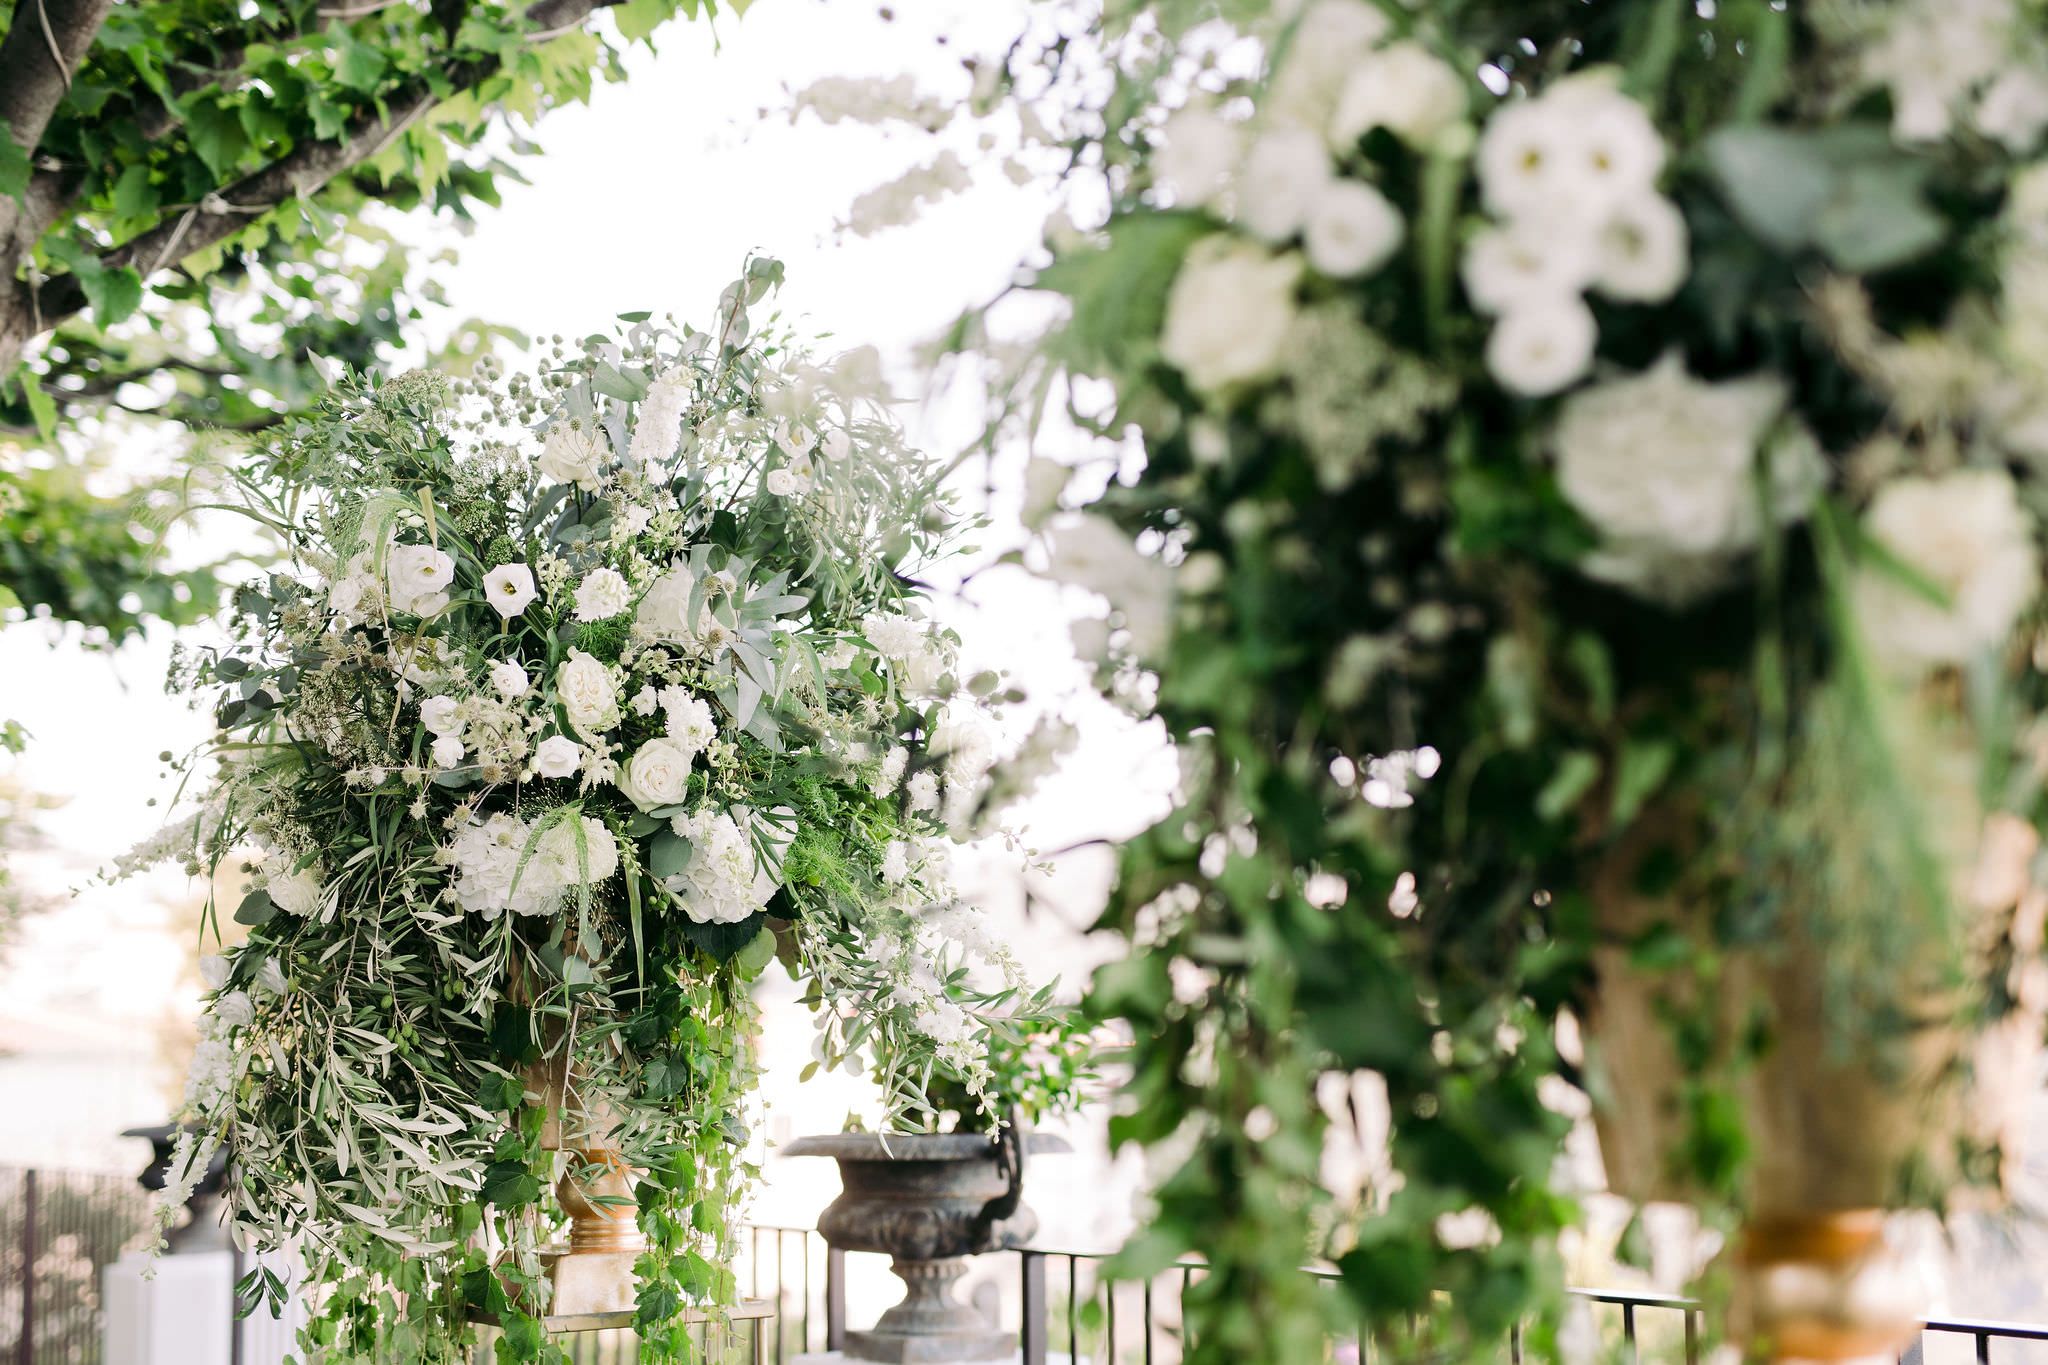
28	1268
835	1299
1033	1335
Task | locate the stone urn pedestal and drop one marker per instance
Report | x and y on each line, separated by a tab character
929	1201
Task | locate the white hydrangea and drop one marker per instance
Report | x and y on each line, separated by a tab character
1967	534
486	856
723	882
509	679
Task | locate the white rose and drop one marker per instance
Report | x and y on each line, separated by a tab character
2014	109
509	679
509	588
1664	468
1229	313
447	752
785	482
1532	260
1643	250
584	687
438	715
1404	88
557	756
1966	533
417	577
664	611
574	453
602	594
1540	348
658	774
1352	230
234	1009
1284	174
1198	150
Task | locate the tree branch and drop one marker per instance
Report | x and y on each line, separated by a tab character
32	83
302	171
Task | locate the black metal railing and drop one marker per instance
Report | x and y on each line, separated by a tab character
1067	1313
58	1229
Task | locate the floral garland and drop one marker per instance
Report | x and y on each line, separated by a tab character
1588	552
579	698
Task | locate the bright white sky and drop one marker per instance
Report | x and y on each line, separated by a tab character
647	199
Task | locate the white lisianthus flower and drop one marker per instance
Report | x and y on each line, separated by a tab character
584	687
658	774
447	752
1404	88
836	445
438	715
1198	151
1284	174
1351	231
602	594
355	586
270	977
509	680
658	425
1581	147
1664	467
1967	534
1525	161
557	756
1229	313
297	892
1542	347
1616	151
689	719
787	482
1531	260
723	882
509	588
417	578
1643	250
575	453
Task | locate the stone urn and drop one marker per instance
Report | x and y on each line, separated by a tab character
929	1201
203	1228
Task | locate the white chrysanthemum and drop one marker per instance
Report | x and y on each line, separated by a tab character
1284	173
579	851
509	588
585	689
1198	151
417	578
1529	260
1404	88
575	452
1542	347
723	882
1664	467
1967	534
658	424
602	594
1643	250
1229	313
1352	230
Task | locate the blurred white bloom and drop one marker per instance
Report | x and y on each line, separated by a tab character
1966	533
557	756
836	444
1352	230
510	589
1529	260
1643	250
1404	88
1284	173
867	99
447	752
838	656
922	791
584	687
664	609
1198	151
899	202
213	970
270	977
234	1009
1581	147
1933	54
790	480
2014	110
1090	637
602	594
1542	347
658	774
895	861
1044	481
1090	551
1228	313
574	453
1320	51
1664	467
438	715
417	578
658	424
509	680
893	764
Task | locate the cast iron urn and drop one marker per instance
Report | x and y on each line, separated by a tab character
930	1201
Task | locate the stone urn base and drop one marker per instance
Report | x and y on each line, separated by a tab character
929	1201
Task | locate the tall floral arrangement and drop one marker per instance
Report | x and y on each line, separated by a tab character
580	696
1588	554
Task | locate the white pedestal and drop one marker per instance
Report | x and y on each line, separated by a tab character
181	1317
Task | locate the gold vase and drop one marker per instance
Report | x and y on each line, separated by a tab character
592	1272
1825	1286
